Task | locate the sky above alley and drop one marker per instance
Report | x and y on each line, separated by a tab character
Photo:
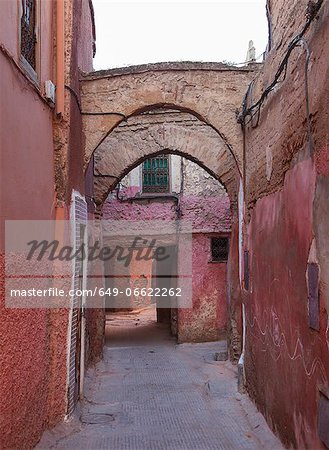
136	32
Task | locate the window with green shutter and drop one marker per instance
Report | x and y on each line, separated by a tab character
156	174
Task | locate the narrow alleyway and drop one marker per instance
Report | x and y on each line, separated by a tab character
137	328
153	394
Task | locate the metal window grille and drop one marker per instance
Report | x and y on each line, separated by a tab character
28	35
156	174
219	249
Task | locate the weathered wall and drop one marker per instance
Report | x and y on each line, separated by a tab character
211	216
202	200
68	138
212	91
287	201
234	297
26	150
207	320
280	344
285	19
33	351
209	92
196	181
69	142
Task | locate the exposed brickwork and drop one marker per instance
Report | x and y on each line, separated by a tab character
287	18
161	131
68	140
213	95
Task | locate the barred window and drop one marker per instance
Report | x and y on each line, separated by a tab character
156	174
28	32
219	249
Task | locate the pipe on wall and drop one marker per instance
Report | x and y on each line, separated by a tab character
60	59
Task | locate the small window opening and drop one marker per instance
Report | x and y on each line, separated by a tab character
219	249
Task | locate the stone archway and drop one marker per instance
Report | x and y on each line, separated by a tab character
161	131
209	94
213	92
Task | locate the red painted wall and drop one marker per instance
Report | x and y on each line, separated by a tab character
286	361
288	209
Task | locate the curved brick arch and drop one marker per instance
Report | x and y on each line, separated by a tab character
162	131
211	91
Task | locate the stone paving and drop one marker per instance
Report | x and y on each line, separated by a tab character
151	394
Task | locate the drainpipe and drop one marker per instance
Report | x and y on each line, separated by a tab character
60	60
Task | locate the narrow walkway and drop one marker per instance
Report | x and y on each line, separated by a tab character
151	394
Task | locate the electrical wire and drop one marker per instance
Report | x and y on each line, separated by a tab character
312	12
85	113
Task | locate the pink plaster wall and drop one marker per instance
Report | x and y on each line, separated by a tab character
32	342
27	192
146	210
8	32
24	362
207	320
212	215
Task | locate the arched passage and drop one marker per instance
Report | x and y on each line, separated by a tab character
126	118
171	131
162	131
197	205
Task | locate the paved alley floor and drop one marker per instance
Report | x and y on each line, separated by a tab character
151	394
